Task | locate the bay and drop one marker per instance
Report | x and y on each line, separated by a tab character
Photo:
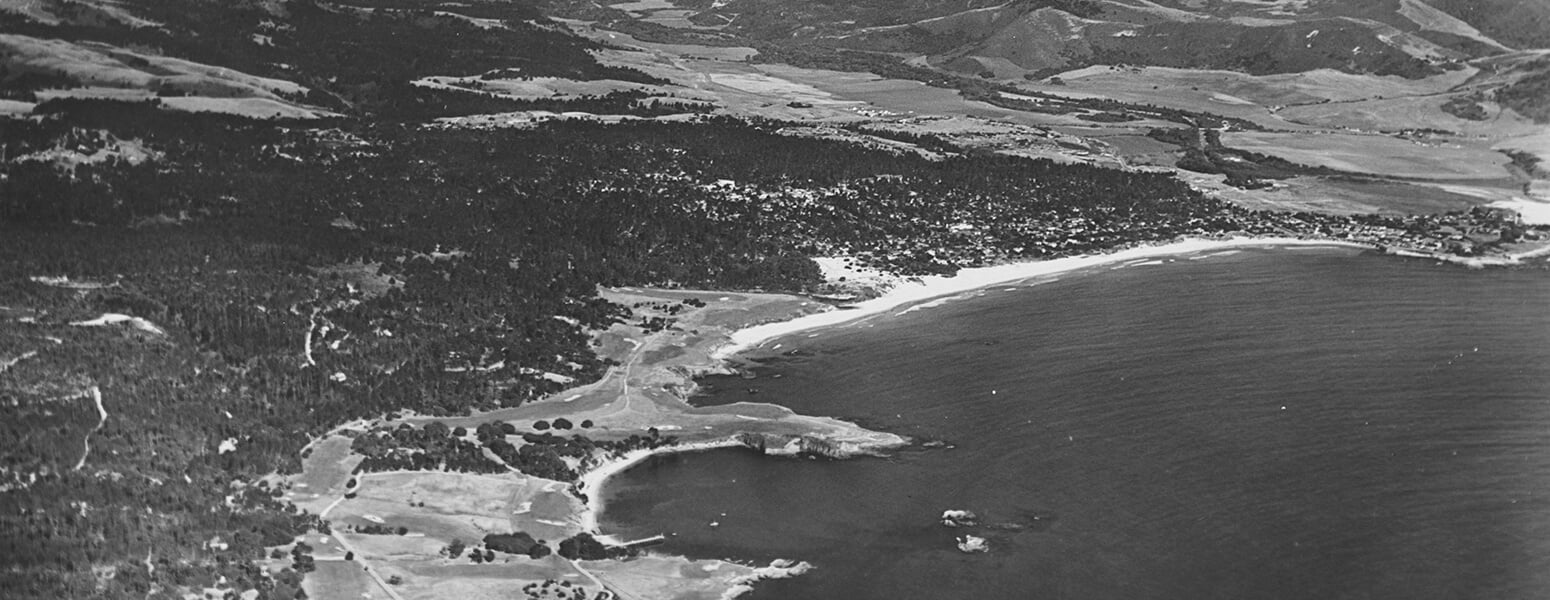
1280	423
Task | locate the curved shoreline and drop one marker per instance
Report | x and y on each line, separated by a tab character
906	292
936	286
591	483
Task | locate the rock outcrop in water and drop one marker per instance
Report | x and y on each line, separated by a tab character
970	544
959	518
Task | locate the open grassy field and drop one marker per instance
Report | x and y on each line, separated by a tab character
438	507
325	471
1377	154
1141	150
1318	99
1537	143
341	579
463	580
1395	114
100	71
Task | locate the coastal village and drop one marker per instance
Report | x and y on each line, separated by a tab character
980	233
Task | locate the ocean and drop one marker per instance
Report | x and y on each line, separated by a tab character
1267	423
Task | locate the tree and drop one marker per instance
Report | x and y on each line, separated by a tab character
510	543
584	547
454	549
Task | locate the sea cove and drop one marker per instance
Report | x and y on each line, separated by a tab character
1268	423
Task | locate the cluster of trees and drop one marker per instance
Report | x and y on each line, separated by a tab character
921	140
431	448
1530	96
375	529
1466	107
435	447
583	546
560	590
1203	152
516	543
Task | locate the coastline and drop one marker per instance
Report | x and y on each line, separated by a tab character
973	278
904	292
654	376
591	483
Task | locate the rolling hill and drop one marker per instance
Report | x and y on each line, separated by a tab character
1409	38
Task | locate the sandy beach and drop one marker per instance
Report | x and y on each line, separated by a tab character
591	483
937	286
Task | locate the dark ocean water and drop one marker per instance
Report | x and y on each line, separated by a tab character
1295	423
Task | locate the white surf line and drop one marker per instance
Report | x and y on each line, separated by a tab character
102	417
936	286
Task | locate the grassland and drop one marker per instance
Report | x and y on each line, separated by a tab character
1377	154
100	71
341	579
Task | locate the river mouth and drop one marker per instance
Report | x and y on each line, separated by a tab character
1265	424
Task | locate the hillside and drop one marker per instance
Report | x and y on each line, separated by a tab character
303	59
1408	38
